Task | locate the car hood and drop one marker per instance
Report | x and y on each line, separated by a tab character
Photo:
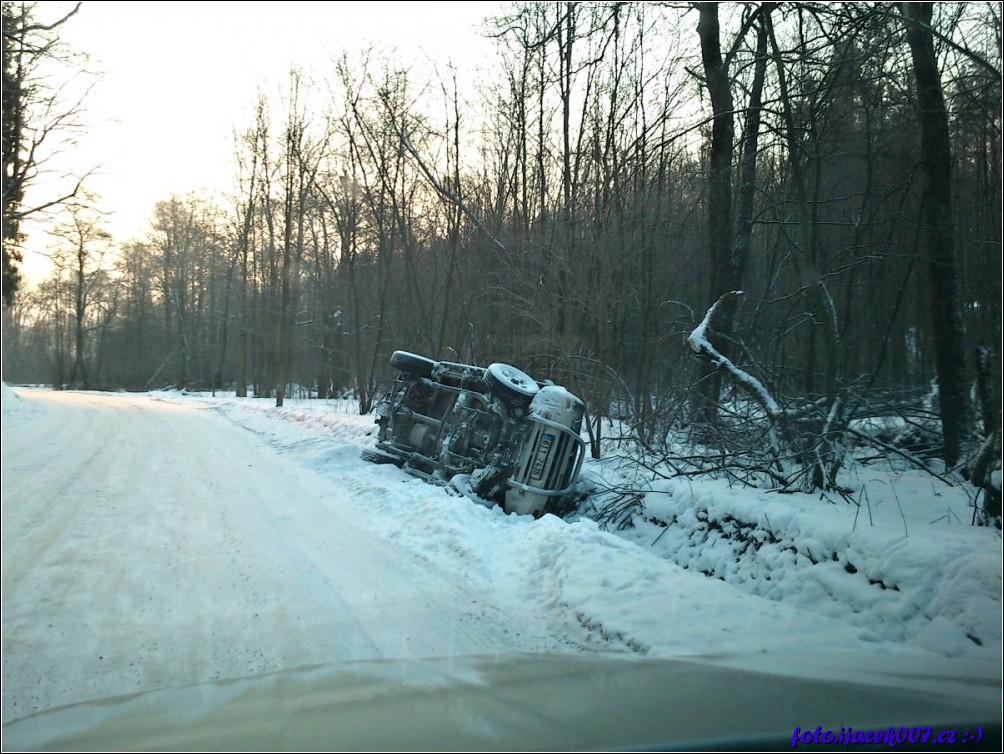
538	702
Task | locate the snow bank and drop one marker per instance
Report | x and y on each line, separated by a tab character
15	411
902	562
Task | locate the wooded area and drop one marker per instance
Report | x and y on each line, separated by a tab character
630	165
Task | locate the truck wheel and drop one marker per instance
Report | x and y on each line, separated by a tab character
510	384
411	363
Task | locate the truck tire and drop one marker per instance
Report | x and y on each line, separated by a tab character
511	385
411	363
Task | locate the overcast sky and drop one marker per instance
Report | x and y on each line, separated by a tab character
178	78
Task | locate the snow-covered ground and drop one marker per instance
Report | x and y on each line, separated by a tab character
162	540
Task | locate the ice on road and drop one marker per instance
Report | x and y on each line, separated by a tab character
151	545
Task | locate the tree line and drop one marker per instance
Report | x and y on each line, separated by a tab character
628	166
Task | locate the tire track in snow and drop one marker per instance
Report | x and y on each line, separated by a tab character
191	551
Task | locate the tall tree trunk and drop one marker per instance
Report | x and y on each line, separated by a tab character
719	198
284	331
936	161
243	252
733	271
78	378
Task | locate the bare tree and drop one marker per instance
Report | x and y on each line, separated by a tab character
936	159
728	243
301	158
81	258
37	121
719	208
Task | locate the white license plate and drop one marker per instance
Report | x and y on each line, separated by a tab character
541	460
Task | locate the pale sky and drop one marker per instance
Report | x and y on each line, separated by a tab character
178	78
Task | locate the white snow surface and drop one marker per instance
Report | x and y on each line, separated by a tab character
160	540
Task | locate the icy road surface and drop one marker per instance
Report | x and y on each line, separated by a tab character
150	545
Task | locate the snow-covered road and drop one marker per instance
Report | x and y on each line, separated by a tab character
159	541
151	545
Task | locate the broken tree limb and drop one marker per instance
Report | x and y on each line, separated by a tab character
446	193
699	344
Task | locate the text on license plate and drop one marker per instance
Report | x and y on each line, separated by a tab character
542	451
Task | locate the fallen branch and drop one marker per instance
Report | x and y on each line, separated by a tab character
699	344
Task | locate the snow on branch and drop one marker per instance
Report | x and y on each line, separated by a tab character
699	344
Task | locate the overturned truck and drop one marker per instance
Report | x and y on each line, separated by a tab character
493	433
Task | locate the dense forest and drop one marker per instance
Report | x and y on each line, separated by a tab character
813	188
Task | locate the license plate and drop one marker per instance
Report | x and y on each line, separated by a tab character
541	460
